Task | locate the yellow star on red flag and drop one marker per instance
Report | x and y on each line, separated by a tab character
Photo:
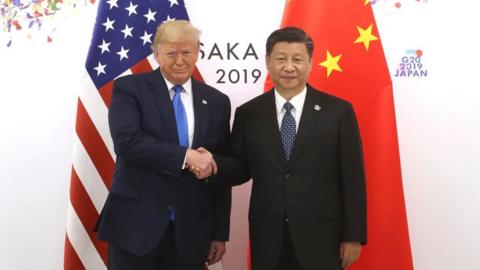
366	2
365	36
331	63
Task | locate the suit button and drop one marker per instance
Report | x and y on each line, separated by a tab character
287	176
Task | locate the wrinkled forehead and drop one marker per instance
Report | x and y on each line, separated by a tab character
179	37
178	45
290	48
176	33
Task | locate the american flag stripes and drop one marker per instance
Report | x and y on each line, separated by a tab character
120	45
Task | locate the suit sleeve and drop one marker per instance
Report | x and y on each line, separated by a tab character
352	179
130	142
233	167
223	194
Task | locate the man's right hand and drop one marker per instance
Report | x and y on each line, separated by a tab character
201	163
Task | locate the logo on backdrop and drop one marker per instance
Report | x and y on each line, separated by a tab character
411	65
232	51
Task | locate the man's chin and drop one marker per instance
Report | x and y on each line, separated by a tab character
289	82
290	85
182	78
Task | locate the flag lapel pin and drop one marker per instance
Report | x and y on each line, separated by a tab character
317	107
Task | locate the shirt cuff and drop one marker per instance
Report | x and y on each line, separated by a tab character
184	161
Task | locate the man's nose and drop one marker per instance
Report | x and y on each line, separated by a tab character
179	59
289	66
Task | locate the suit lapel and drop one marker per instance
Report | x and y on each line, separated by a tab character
200	108
270	123
311	108
162	97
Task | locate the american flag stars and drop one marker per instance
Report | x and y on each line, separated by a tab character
123	53
124	33
127	31
112	3
132	9
169	19
100	68
173	2
147	38
108	24
104	46
150	16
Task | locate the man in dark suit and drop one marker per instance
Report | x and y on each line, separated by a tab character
157	215
302	149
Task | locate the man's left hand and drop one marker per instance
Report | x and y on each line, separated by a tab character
217	249
349	253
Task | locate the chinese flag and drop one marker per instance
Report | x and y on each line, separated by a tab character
348	62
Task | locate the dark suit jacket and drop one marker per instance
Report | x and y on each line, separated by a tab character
321	190
148	180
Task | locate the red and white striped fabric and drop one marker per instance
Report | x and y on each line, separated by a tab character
92	168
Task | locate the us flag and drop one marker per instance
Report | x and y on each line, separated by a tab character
120	45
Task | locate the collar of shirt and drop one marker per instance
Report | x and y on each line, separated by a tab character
187	86
297	101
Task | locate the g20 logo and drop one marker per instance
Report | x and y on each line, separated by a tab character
411	65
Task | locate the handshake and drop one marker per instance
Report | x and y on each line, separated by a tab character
200	162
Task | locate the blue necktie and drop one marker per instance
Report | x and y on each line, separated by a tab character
288	130
180	116
182	124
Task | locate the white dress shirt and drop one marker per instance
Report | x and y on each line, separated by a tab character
187	100
297	101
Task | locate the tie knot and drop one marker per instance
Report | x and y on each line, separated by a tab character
177	88
288	106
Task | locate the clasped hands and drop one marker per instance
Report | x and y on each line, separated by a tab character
201	163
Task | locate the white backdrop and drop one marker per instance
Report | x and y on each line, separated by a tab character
437	117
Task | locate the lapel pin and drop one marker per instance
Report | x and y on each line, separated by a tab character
204	101
317	107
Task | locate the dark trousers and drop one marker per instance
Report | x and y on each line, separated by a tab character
163	257
288	259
